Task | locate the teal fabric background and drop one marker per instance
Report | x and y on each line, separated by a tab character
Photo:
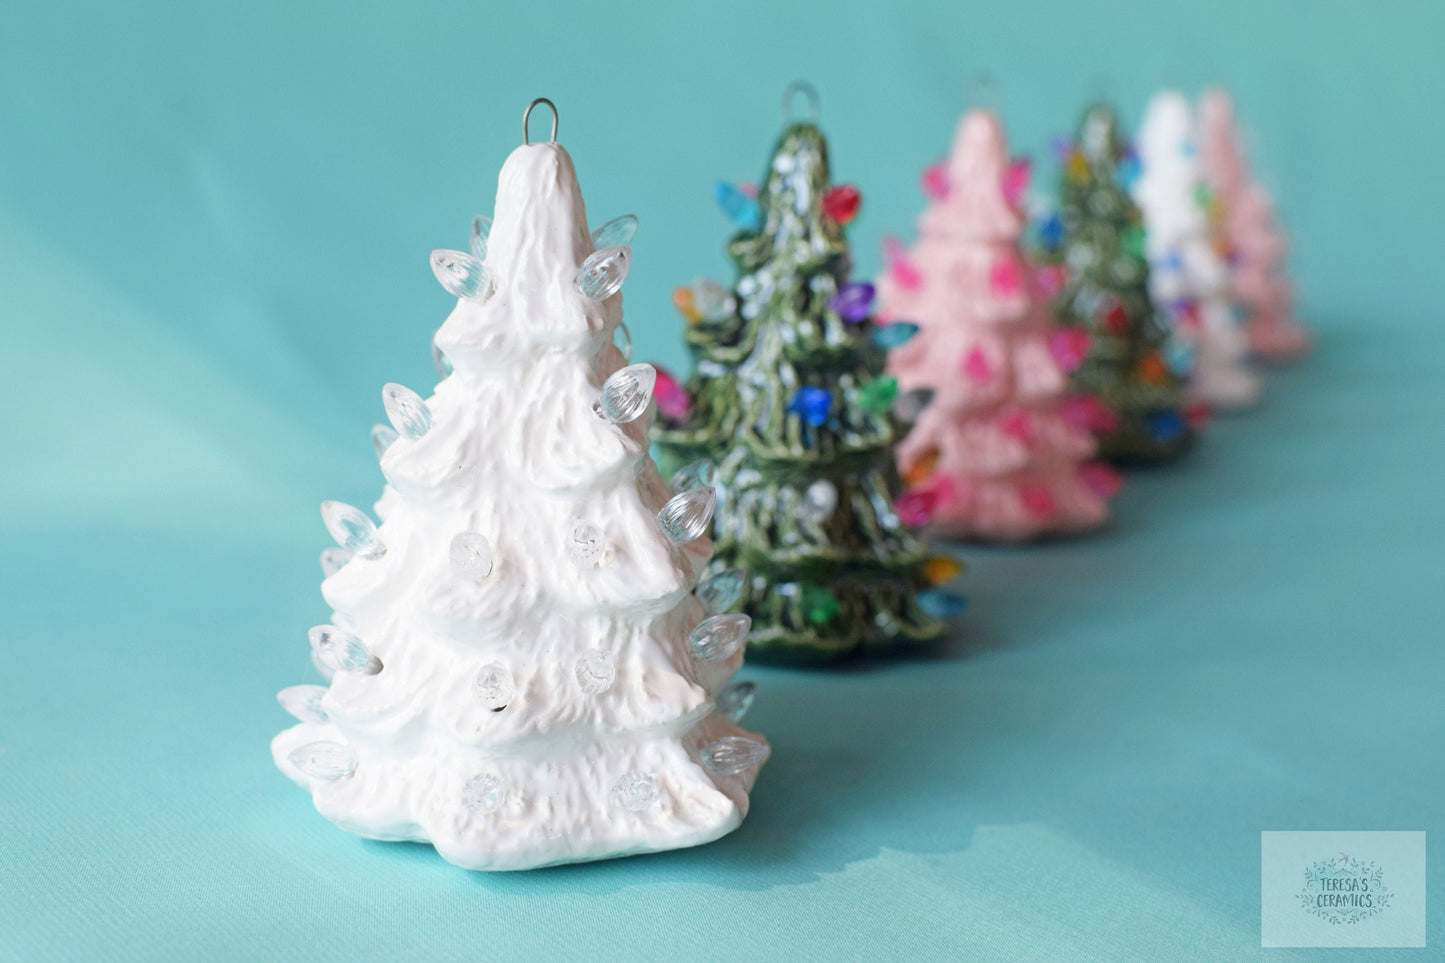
214	223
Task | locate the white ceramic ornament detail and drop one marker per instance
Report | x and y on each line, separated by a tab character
519	672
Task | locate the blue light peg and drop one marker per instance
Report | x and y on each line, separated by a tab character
812	405
1128	172
1051	232
740	209
1165	426
890	336
941	604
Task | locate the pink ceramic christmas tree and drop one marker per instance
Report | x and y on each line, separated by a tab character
1249	233
993	455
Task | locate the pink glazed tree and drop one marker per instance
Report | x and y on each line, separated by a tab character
995	454
1248	231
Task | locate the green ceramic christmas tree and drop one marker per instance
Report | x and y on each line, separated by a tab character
790	403
1129	375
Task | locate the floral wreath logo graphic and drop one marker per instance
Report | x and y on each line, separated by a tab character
1344	889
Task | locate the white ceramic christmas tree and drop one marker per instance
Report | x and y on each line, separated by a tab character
1188	281
520	671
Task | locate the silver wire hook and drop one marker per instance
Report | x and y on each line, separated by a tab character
527	115
790	93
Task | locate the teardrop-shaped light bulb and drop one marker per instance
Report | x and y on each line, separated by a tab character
635	791
818	501
731	755
697	474
303	702
586	544
484	793
734	702
626	395
439	359
333	559
382	437
719	637
352	529
619	230
712	301
890	336
602	274
942	604
462	275
910	404
408	412
481	230
471	555
595	671
341	651
687	515
494	686
622	337
720	592
327	761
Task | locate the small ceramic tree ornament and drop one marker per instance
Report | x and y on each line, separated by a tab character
1129	376
1189	281
1249	235
519	671
790	400
993	448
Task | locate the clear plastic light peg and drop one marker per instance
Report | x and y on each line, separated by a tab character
304	702
626	395
616	232
731	755
462	274
481	230
586	544
382	437
712	301
341	651
720	592
494	687
910	404
470	555
439	358
622	338
327	761
687	515
602	274
818	501
718	638
595	671
333	560
636	791
484	794
352	529
696	474
408	412
734	702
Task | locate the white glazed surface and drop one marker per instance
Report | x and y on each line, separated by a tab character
1176	225
516	453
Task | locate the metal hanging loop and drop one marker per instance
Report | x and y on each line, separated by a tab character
790	93
527	115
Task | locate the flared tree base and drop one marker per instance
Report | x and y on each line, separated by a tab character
801	624
1134	444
